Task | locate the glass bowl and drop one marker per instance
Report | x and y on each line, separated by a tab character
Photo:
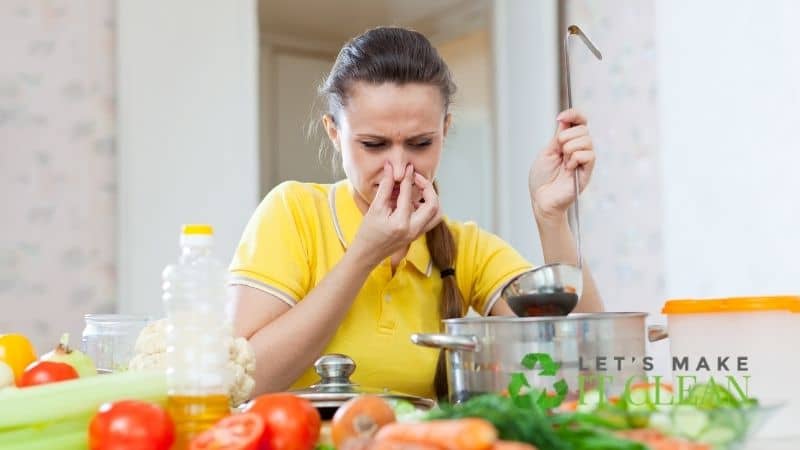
721	428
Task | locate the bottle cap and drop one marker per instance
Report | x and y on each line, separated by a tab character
198	234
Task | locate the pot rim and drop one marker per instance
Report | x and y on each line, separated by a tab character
568	318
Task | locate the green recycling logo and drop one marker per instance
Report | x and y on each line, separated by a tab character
549	368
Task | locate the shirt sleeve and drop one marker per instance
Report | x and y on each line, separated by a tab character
489	263
271	255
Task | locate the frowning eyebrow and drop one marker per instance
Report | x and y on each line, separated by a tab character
418	136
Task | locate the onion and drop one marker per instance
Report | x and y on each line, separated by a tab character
79	361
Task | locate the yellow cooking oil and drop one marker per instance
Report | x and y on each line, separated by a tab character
194	414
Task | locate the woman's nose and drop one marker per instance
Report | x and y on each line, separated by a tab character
399	162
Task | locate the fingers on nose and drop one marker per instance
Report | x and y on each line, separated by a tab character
399	170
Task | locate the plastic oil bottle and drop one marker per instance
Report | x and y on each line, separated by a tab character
197	329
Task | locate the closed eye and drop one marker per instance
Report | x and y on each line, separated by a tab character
421	144
373	144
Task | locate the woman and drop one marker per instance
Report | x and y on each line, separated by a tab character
357	266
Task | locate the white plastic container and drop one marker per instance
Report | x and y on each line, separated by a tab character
759	336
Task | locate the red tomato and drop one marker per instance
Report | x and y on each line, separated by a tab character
237	432
290	422
43	372
129	424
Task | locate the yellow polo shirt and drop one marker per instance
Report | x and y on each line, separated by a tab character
300	231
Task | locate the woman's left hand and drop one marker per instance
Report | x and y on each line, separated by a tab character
551	179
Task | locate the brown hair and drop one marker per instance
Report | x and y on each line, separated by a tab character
398	55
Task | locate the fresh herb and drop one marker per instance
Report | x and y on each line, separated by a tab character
513	422
585	438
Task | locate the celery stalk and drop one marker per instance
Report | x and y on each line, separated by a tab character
56	401
72	440
22	435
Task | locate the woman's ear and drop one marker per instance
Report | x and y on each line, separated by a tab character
330	128
447	118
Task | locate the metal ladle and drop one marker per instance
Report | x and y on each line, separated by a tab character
553	289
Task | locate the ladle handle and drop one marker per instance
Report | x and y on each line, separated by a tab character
574	30
568	85
577	216
446	341
657	333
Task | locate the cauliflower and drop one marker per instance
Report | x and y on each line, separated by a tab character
151	348
144	361
6	375
152	339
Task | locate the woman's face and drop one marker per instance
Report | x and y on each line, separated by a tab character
391	123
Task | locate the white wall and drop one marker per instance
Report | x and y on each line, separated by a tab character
728	96
57	159
728	93
622	208
188	150
526	89
465	175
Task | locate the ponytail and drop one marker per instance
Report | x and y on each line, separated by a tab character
442	248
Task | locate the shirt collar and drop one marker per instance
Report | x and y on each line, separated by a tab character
347	219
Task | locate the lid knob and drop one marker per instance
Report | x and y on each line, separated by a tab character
334	368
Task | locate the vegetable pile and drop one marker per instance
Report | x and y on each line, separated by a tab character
55	402
646	417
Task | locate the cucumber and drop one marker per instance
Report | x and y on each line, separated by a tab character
732	419
689	421
710	396
405	411
718	436
661	421
591	401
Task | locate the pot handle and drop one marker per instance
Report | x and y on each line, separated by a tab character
656	333
446	341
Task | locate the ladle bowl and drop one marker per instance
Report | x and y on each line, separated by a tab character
549	290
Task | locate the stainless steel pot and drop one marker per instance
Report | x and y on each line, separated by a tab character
483	352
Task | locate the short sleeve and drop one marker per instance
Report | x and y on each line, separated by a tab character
272	254
488	264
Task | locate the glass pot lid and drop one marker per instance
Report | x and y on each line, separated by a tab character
334	387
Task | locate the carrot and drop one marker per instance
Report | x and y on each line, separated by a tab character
657	440
458	434
511	445
571	405
388	444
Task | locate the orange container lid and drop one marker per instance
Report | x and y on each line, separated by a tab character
733	304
